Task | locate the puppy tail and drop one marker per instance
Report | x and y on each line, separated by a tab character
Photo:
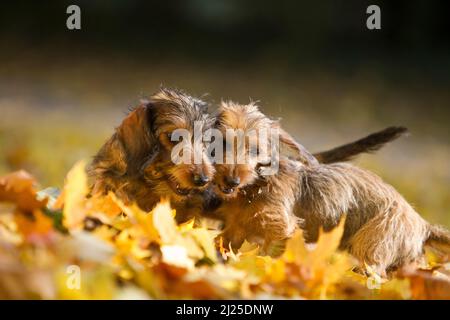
438	238
371	143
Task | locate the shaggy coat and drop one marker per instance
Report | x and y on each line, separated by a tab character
136	164
255	207
381	229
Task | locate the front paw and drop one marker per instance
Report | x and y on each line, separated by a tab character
228	242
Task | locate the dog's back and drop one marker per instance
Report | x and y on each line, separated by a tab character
381	228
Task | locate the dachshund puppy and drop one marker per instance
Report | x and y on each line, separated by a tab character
381	228
256	207
137	162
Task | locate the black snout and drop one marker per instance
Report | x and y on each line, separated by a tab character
211	202
200	179
233	181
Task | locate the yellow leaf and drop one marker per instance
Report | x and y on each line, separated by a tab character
296	251
254	265
105	233
137	218
121	222
75	192
205	238
186	226
164	222
326	245
103	207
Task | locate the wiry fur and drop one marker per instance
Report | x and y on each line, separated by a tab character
136	164
258	208
381	228
371	143
439	238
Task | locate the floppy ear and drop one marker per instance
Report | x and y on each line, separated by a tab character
108	166
294	150
127	149
135	135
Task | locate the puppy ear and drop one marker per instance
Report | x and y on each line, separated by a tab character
108	166
127	149
294	150
135	134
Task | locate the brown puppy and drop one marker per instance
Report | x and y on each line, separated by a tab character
381	228
240	186
136	162
256	207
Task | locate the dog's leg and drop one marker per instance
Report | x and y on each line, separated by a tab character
233	236
391	239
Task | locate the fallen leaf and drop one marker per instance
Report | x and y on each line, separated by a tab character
19	188
35	227
75	192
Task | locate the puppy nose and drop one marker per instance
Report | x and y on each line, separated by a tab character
233	181
200	179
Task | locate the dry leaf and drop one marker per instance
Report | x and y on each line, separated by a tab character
18	188
152	257
75	192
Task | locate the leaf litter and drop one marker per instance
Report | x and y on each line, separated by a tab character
69	245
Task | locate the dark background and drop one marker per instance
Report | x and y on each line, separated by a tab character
237	31
312	63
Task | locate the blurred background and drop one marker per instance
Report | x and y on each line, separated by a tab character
314	64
